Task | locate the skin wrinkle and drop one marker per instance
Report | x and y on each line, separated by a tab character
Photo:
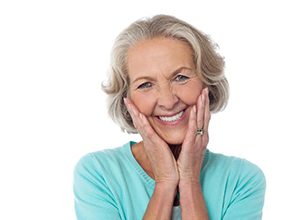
166	103
158	59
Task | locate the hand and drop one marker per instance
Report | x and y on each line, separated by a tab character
194	146
161	159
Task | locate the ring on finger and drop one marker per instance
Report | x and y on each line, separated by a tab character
200	131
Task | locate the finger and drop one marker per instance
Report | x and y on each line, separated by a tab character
200	113
190	136
200	110
207	116
131	107
133	111
154	146
207	113
148	133
141	122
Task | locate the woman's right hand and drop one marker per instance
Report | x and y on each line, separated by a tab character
162	161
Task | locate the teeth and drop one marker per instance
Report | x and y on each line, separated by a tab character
172	118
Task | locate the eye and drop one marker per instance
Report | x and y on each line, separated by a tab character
145	85
181	78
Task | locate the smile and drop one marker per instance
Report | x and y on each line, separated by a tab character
171	118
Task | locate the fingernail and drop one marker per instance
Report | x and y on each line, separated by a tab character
206	90
141	116
127	104
202	96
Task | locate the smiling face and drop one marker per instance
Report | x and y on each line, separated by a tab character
164	85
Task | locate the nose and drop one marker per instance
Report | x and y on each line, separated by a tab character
167	98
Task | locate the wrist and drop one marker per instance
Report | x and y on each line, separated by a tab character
189	182
166	191
189	187
166	186
192	200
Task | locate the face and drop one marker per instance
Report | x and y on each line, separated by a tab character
164	85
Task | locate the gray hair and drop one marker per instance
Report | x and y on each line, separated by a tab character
209	64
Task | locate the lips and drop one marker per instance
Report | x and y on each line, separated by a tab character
172	118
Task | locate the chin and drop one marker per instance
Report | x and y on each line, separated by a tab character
173	140
172	134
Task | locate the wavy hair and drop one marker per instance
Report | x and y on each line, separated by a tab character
209	64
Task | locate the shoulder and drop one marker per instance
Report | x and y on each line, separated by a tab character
240	182
234	165
240	177
236	174
95	191
95	162
98	172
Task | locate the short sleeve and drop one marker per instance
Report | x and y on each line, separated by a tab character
248	197
93	198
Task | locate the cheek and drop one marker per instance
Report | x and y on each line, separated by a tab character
144	103
190	92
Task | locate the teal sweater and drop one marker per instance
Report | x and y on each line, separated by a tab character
111	185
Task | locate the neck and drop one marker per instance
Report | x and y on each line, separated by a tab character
175	148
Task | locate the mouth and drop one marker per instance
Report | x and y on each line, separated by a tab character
173	119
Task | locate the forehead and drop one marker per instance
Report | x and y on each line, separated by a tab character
159	55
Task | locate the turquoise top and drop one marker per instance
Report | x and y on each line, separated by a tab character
110	184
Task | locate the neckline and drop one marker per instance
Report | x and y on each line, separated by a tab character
137	166
142	172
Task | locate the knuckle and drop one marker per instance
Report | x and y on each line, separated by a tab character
149	133
208	117
205	139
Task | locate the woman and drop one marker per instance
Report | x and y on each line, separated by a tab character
166	78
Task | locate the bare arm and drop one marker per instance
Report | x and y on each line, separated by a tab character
163	166
161	202
192	202
168	172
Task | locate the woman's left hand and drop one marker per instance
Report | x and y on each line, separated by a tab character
194	145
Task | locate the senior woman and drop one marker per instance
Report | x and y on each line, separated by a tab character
165	79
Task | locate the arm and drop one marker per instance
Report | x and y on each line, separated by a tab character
163	166
93	199
247	199
192	201
190	162
161	202
185	171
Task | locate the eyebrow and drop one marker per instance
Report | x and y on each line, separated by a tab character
172	75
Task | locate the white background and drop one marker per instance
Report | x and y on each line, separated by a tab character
55	54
